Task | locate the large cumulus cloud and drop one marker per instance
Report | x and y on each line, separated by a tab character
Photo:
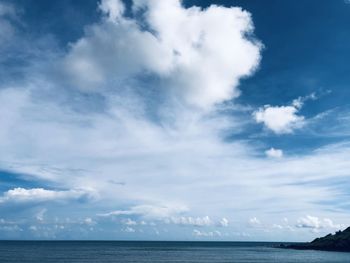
199	54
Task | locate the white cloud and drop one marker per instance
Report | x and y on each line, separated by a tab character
129	222
89	221
41	195
40	215
114	9
224	222
198	61
254	221
283	119
309	222
199	233
315	223
277	226
190	221
274	153
279	119
129	229
149	211
33	228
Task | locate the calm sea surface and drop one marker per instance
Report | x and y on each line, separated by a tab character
101	251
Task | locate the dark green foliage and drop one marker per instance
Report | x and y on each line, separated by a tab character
340	241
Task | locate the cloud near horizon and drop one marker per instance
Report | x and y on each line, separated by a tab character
21	195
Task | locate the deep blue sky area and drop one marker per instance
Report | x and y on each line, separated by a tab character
121	124
63	19
306	50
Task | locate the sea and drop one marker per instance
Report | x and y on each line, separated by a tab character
137	251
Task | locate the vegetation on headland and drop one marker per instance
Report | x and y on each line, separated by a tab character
340	241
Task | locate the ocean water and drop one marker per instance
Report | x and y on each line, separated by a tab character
194	252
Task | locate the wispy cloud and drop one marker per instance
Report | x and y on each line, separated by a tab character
22	195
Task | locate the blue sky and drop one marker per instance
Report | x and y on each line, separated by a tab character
168	120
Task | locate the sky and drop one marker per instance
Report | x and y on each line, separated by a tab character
174	120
